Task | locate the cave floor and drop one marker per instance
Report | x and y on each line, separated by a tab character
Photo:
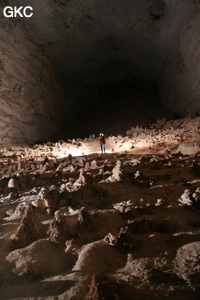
132	229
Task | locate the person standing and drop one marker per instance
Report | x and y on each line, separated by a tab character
102	142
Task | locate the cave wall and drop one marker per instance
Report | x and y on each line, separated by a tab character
180	89
33	102
148	42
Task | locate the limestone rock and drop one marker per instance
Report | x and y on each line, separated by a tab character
124	207
101	288
28	229
25	114
116	173
40	259
187	262
110	239
59	231
189	198
188	149
98	256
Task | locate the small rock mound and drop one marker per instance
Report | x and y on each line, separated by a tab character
40	259
187	261
98	257
27	231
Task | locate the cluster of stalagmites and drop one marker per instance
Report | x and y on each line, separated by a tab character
104	221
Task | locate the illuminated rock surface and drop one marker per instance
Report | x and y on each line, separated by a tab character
31	96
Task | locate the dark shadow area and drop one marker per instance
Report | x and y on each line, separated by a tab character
115	109
41	289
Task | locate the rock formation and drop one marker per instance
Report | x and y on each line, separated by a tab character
27	231
30	88
69	233
101	289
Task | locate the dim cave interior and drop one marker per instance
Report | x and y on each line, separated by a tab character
77	224
97	65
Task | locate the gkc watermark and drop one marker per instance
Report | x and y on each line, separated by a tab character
14	12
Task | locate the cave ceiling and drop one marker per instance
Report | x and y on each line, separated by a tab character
99	41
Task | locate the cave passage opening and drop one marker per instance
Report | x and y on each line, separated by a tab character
116	108
77	68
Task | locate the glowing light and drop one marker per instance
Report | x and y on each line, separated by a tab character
64	152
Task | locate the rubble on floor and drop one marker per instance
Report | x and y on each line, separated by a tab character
122	225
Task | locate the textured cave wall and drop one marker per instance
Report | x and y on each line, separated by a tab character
32	100
148	42
181	81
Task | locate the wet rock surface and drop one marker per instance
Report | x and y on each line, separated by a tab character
122	225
